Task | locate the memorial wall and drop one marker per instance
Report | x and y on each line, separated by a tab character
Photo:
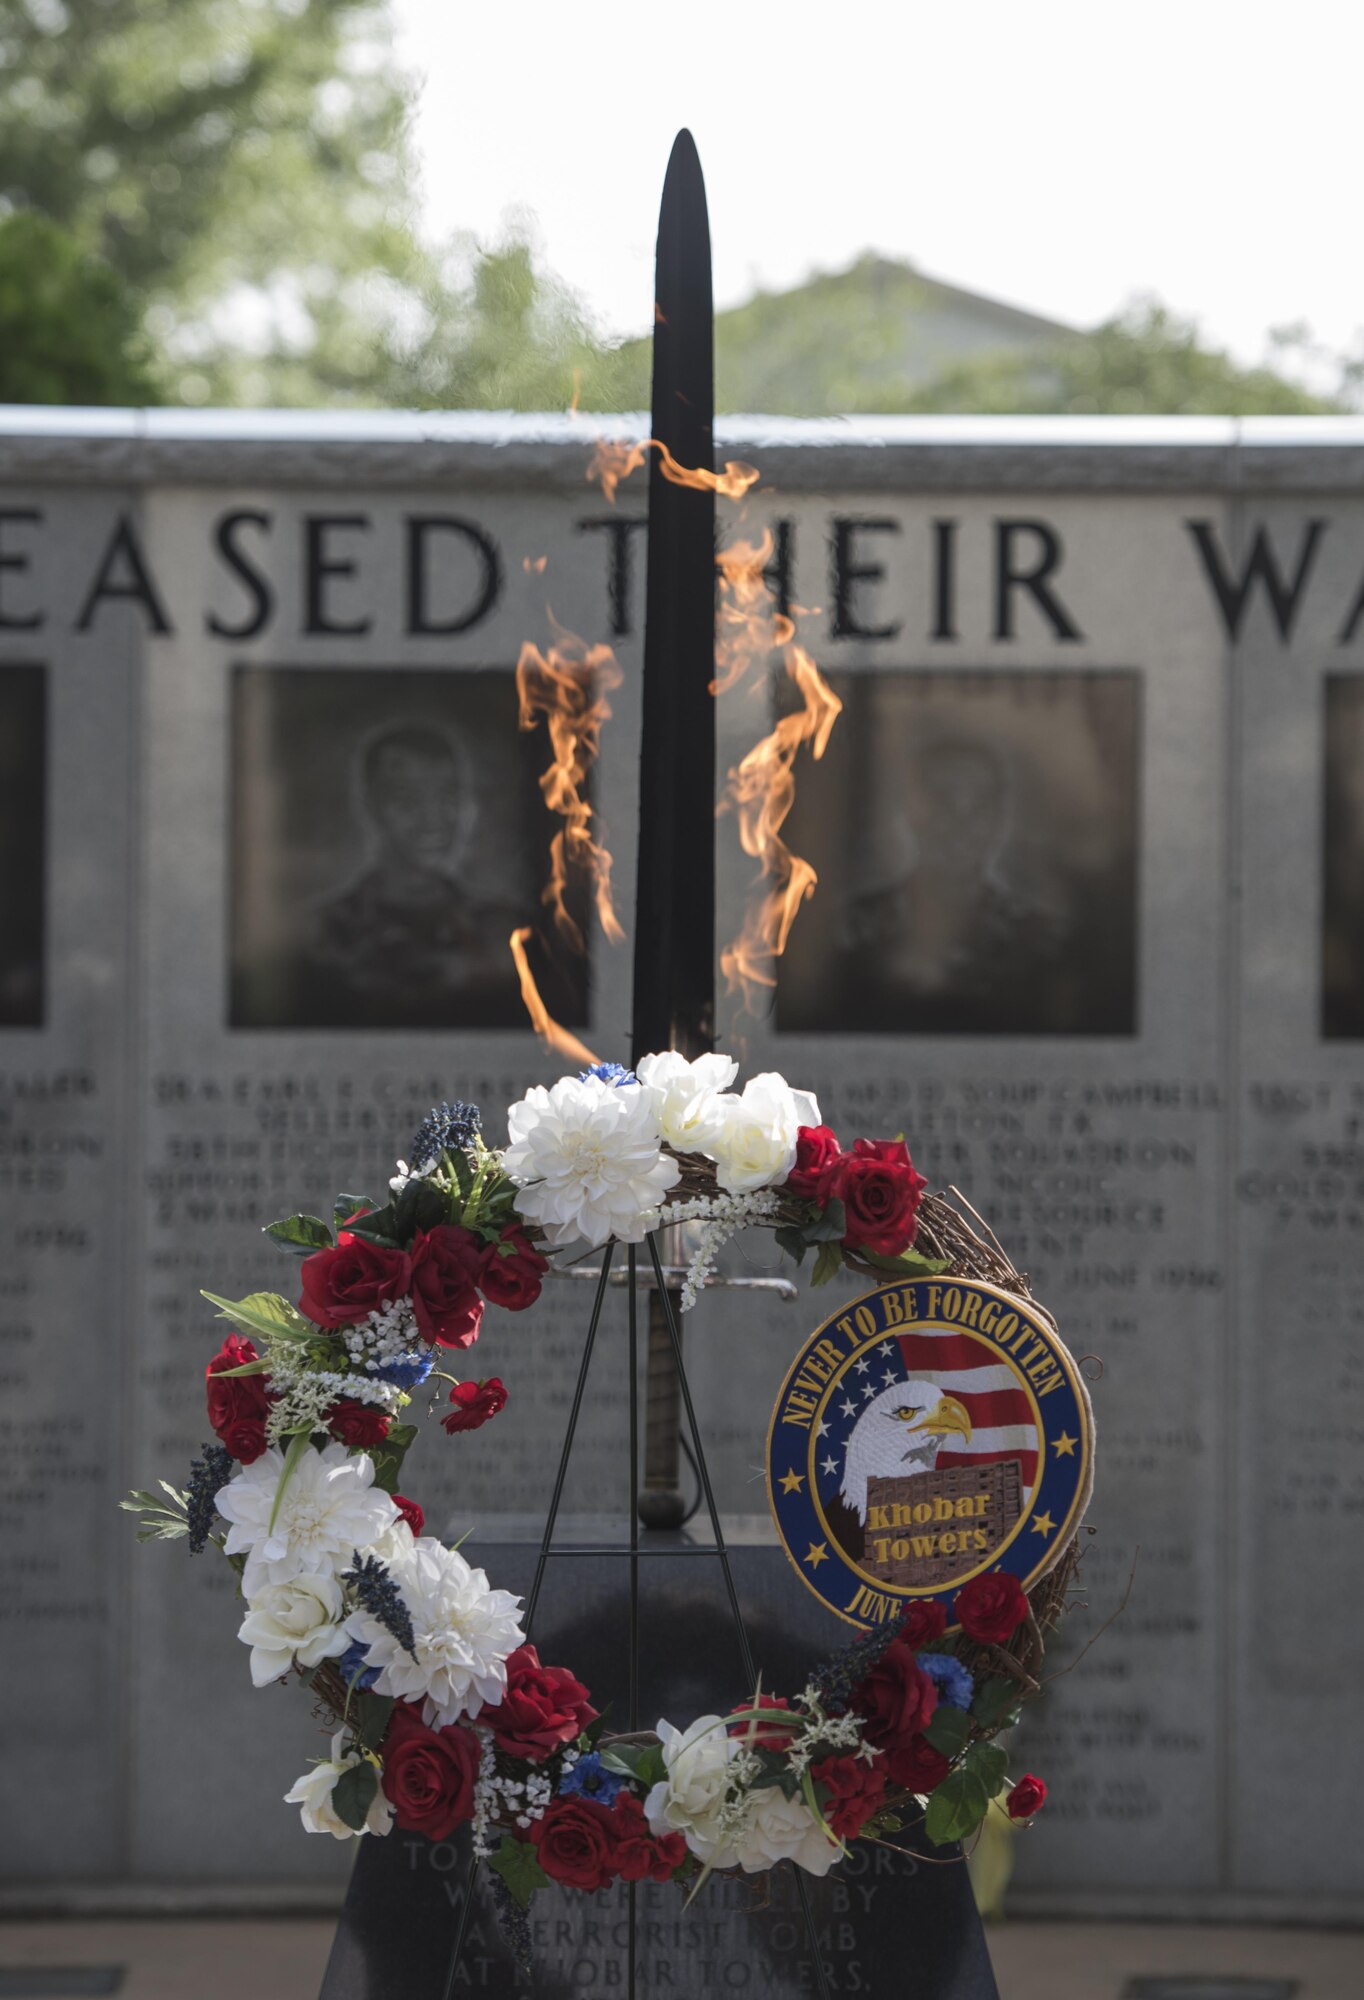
1090	930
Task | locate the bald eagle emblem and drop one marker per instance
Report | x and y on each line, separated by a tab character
898	1434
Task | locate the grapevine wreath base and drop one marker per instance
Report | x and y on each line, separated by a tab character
439	1709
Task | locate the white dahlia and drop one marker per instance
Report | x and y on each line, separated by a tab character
330	1508
685	1096
588	1161
299	1621
462	1633
313	1791
754	1144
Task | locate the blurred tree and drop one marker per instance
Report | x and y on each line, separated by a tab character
69	329
243	165
1146	362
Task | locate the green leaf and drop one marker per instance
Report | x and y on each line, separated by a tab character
369	1714
298	1444
518	1864
353	1794
994	1702
828	1264
421	1205
990	1764
829	1226
949	1729
792	1242
304	1233
908	1263
956	1808
264	1312
377	1227
347	1205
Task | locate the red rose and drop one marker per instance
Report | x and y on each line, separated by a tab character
446	1265
991	1607
429	1774
638	1851
542	1709
474	1403
359	1425
237	1407
856	1792
880	1192
1027	1797
816	1151
346	1284
916	1765
512	1281
896	1698
411	1513
922	1623
575	1841
770	1735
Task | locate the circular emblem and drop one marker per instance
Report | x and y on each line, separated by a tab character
926	1432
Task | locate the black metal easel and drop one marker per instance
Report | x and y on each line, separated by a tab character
663	1292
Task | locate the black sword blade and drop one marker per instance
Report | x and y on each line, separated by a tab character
674	976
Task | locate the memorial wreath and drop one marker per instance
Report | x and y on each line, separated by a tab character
441	1712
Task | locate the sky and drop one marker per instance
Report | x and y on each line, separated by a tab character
1061	156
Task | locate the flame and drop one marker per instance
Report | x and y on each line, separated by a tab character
543	1022
613	460
747	624
534	565
576	397
762	790
568	685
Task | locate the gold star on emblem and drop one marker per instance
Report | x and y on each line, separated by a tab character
791	1482
819	1552
1043	1525
1064	1446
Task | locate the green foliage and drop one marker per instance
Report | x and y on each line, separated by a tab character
1147	361
159	1522
69	327
388	1457
353	1794
301	1233
949	1729
996	1703
266	1313
957	1807
519	1866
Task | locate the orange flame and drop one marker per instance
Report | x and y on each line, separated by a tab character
534	565
543	1022
762	789
613	460
747	623
568	685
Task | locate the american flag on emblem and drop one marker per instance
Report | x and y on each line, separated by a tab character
1001	1416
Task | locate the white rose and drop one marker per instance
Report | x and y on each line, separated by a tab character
755	1145
300	1620
780	1829
691	1798
685	1096
313	1791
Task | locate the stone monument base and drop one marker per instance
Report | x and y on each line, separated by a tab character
890	1925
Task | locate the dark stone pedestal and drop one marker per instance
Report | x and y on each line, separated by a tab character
890	1926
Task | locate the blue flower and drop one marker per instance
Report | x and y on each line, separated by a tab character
352	1669
949	1676
407	1371
615	1073
590	1778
